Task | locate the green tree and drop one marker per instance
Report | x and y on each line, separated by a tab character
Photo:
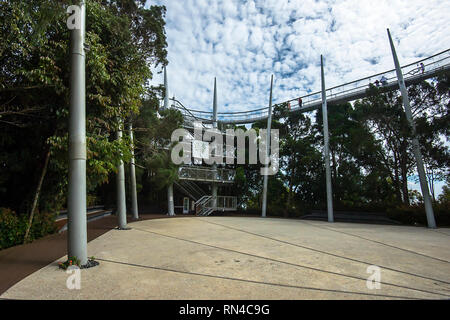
125	40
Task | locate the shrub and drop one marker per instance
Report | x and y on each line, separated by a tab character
43	224
13	227
415	214
71	261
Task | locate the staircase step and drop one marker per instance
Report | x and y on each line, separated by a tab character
357	217
91	216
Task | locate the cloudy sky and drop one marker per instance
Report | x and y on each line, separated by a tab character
243	42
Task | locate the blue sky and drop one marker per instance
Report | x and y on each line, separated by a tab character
243	42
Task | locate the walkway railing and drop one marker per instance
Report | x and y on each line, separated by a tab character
208	204
353	90
194	173
226	203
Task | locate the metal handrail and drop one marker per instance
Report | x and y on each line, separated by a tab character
342	90
206	174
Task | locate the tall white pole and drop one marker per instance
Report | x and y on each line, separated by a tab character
266	177
214	186
326	147
415	141
76	200
171	207
134	203
166	90
120	184
170	203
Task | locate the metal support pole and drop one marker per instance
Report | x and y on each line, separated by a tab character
134	203
214	186
76	200
215	104
214	189
415	141
120	179
170	205
326	146
266	177
166	90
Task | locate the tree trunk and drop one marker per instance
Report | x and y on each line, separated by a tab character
36	196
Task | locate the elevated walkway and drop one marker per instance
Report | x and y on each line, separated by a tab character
413	73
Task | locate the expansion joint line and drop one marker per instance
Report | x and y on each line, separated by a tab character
254	281
377	242
288	263
327	253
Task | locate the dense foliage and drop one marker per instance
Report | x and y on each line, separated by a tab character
370	153
125	40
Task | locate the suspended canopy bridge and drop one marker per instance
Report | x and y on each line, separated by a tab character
413	73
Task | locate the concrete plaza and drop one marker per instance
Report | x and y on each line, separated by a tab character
253	258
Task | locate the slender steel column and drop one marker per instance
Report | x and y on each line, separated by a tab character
166	90
415	141
170	204
214	186
326	147
171	207
266	177
120	181
134	203
76	200
215	104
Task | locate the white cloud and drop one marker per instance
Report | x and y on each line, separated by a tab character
243	43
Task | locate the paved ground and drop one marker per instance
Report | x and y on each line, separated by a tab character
253	258
20	261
